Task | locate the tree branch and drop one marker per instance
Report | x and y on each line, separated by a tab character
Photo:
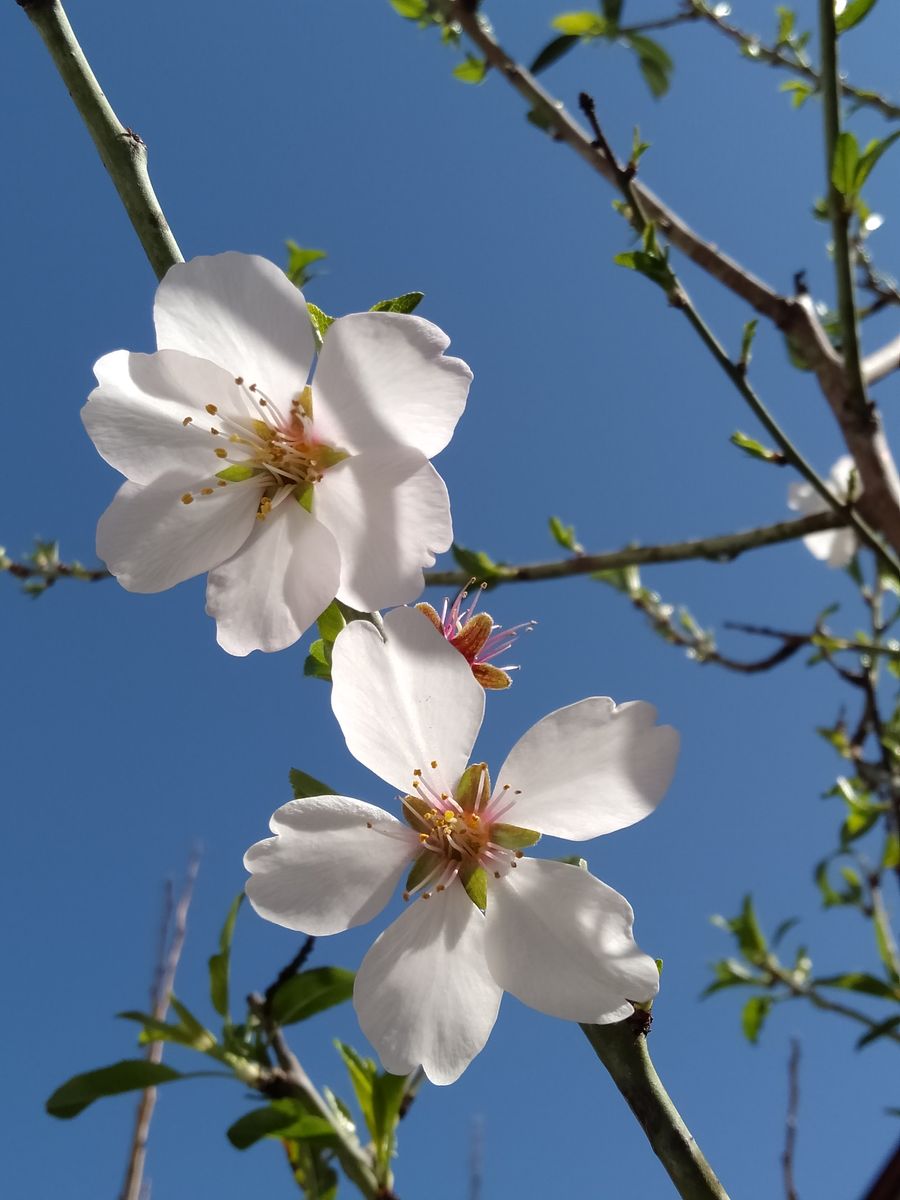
790	1122
122	151
622	1048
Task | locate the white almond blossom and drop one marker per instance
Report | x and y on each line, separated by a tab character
482	918
288	490
836	547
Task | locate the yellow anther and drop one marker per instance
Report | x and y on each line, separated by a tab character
221	452
423	837
187	421
239	380
506	787
519	854
187	498
368	824
417	771
496	874
433	764
265	507
214	431
449	814
206	491
211	409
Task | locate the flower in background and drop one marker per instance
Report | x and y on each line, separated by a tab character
288	491
476	636
836	547
482	917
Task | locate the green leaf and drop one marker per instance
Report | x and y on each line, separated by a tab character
729	972
581	24
638	147
303	786
845	164
300	259
655	64
320	322
564	535
479	564
747	341
362	1072
800	91
318	661
286	1119
746	929
854	12
155	1030
311	992
754	448
890	859
513	837
406	303
880	1030
870	157
331	622
412	10
387	1096
130	1075
652	265
471	69
553	52
754	1015
219	963
859	981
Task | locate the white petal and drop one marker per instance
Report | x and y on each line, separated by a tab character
151	540
423	994
590	769
241	312
389	511
802	498
561	941
276	585
843	546
382	378
136	416
407	702
839	477
333	864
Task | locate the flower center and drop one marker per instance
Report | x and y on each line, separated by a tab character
462	835
279	452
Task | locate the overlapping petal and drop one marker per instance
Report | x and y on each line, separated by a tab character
836	547
136	415
389	512
562	941
276	584
151	540
332	864
424	995
405	702
383	378
242	313
591	768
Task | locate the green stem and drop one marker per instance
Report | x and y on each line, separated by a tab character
123	153
622	1048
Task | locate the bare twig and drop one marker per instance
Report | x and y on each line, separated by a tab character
790	1121
171	942
297	963
122	151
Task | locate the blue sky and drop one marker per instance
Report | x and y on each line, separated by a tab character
129	735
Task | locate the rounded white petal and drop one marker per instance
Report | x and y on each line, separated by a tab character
242	313
405	702
842	549
839	477
135	417
383	378
332	864
151	540
590	769
423	994
562	941
276	585
802	498
390	513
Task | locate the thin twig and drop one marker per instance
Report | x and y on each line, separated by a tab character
122	151
794	316
836	645
790	1121
172	934
296	965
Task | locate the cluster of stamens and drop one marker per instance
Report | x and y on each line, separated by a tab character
278	452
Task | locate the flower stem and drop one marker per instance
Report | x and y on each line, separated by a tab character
122	151
622	1048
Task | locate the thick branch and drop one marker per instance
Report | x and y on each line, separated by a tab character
880	503
122	151
622	1048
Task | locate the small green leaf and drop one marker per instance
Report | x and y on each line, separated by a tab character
655	64
311	992
853	13
219	963
845	164
300	259
638	147
870	157
412	10
130	1075
581	24
387	1096
471	69
564	535
331	622
880	1030
890	859
318	661
320	322
362	1072
513	837
799	90
653	266
303	786
284	1120
479	564
553	52
755	449
406	303
754	1015
859	981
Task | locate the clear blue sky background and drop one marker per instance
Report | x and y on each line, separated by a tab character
129	735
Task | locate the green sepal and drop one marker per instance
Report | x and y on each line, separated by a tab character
237	473
514	837
421	869
475	883
415	804
466	791
305	498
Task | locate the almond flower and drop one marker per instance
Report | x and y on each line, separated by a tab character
288	490
476	636
481	918
836	547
